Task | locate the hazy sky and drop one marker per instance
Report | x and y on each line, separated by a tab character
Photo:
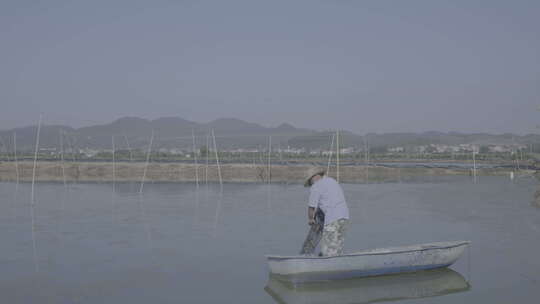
365	66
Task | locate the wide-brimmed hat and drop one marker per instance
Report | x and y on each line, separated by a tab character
310	172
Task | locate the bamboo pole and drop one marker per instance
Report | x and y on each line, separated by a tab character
16	172
280	154
207	158
113	197
129	148
366	157
195	159
261	160
5	147
113	162
15	156
71	143
147	161
35	159
32	200
269	176
62	158
269	172
217	159
72	146
517	161
474	166
337	156
368	151
330	154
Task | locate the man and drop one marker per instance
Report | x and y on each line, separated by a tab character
326	194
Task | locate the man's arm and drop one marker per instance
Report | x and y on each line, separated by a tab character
311	215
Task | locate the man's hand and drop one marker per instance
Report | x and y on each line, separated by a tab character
311	222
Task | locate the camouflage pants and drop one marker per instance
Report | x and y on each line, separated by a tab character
333	238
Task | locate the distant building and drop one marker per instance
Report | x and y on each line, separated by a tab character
420	149
506	148
396	149
176	151
349	150
294	150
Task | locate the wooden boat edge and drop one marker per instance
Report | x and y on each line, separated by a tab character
379	251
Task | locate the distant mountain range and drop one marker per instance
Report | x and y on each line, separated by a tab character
175	132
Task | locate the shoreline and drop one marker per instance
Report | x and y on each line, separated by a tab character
52	171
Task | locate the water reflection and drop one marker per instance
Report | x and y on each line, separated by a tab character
536	200
218	212
422	284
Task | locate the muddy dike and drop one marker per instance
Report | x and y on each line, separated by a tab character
55	171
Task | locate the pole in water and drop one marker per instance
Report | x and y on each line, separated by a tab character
129	148
337	156
269	174
32	202
113	162
517	160
147	161
279	151
5	147
16	172
474	165
330	154
15	155
366	157
62	158
35	159
195	158
217	160
207	158
71	143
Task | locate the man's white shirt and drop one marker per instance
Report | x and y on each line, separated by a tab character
327	195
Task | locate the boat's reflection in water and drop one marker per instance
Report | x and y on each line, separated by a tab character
421	284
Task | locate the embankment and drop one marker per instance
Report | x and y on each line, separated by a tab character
181	172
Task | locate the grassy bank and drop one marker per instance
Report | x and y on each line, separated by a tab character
181	172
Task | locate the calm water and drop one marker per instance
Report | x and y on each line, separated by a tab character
177	244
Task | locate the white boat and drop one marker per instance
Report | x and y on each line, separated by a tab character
367	262
421	284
